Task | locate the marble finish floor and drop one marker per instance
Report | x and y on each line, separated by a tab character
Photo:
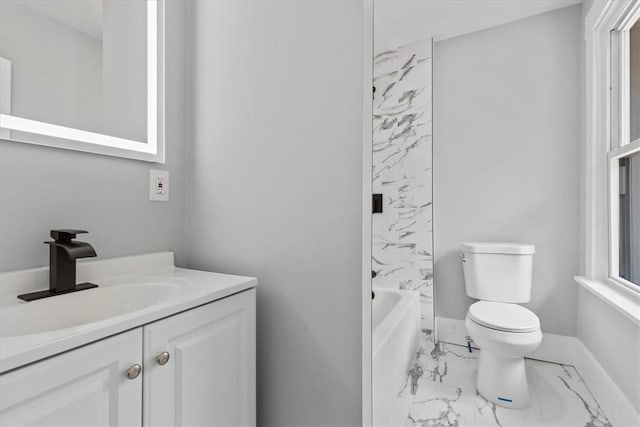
445	394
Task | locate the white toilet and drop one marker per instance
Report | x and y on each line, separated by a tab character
499	275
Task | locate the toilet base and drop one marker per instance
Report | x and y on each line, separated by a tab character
503	380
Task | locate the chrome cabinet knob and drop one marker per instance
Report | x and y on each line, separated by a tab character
162	358
134	371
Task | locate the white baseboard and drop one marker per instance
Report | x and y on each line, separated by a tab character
451	330
613	401
568	351
554	348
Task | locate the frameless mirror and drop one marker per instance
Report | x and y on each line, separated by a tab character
84	75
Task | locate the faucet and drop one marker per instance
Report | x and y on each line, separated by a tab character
63	253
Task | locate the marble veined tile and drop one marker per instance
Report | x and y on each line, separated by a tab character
564	397
402	172
445	394
442	397
444	405
489	414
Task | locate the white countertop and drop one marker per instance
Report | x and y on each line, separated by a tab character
195	288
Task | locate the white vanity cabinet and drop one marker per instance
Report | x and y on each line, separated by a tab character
87	386
197	368
200	366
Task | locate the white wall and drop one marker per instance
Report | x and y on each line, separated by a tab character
274	190
506	142
43	188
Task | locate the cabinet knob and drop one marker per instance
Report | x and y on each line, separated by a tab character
134	371
162	358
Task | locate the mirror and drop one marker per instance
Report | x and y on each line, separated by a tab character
83	75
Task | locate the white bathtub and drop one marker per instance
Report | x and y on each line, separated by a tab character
396	333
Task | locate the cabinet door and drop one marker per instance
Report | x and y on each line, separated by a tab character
83	387
209	378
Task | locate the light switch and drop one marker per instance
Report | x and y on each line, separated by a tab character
158	185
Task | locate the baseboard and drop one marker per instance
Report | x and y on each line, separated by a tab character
568	351
451	330
554	348
613	401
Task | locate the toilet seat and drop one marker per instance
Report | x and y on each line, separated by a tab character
504	317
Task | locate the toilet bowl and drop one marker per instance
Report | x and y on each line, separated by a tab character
499	275
505	333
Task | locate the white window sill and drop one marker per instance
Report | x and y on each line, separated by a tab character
626	301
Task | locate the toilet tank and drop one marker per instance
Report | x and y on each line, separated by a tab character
496	271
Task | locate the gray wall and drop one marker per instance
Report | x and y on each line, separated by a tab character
274	190
43	188
506	143
613	339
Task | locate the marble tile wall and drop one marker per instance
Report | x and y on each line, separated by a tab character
402	171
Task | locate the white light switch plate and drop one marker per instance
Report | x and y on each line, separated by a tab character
158	185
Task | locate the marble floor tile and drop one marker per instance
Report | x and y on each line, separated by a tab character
564	397
441	405
489	414
445	394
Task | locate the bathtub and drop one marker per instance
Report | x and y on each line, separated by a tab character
396	333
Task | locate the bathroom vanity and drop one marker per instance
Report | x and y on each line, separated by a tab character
152	345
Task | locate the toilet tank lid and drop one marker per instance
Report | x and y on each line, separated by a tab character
498	248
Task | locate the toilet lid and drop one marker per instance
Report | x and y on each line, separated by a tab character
503	316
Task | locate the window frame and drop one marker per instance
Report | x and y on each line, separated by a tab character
607	28
620	144
614	211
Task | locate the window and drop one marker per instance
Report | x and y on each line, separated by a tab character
624	151
612	153
629	225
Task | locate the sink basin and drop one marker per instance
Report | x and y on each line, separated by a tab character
85	307
132	291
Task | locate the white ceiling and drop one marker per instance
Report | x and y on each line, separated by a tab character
82	15
397	22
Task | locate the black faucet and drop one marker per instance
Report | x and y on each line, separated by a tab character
63	253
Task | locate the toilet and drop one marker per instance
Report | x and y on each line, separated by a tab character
499	276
